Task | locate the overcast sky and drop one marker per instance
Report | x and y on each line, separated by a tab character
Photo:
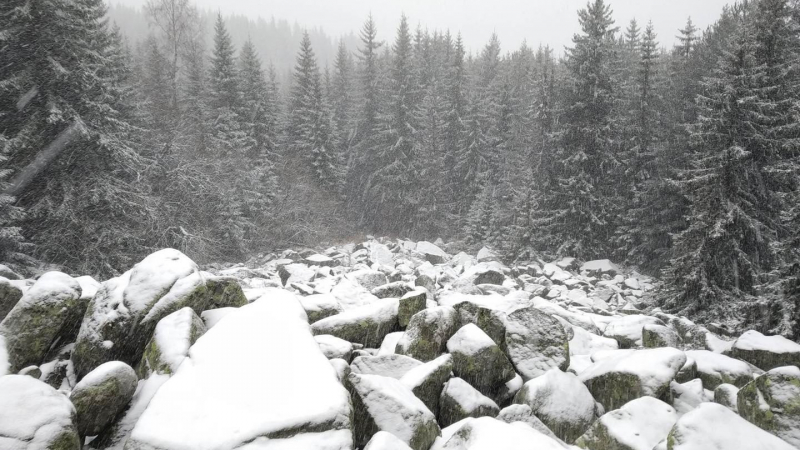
550	22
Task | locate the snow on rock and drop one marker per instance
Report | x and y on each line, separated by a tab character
393	366
427	380
410	304
35	416
599	267
627	330
389	343
320	306
459	400
654	336
586	343
524	414
169	346
212	316
766	352
487	433
638	425
282	385
383	440
713	426
479	361
725	395
561	401
624	375
101	395
715	369
433	253
47	313
687	396
385	404
380	255
333	347
717	345
366	325
428	332
486	255
9	296
535	342
772	401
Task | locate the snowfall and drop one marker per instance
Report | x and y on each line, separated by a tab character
380	345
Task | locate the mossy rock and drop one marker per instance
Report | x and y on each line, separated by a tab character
772	402
688	372
487	370
180	329
9	296
427	333
367	325
428	387
488	320
452	408
410	304
48	313
102	395
614	389
535	342
655	336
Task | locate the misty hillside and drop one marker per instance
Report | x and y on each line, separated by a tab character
225	232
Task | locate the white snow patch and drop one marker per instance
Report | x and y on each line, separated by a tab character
389	343
487	433
655	367
469	340
640	424
753	340
469	398
212	316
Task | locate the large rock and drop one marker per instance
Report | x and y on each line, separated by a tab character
102	395
713	426
334	348
368	279
411	303
169	346
627	330
479	361
524	414
624	375
433	254
320	306
242	383
561	401
766	352
9	296
654	336
772	401
460	400
535	342
34	416
639	425
395	289
385	404
48	313
383	440
393	366
428	332
426	381
124	313
715	369
487	433
366	325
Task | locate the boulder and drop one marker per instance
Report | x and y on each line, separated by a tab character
535	342
459	400
123	315
427	380
385	404
380	254
169	346
389	343
772	401
368	279
488	319
366	325
321	260
486	255
410	304
489	433
726	395
396	289
524	414
48	313
627	330
433	254
715	369
102	395
225	393
34	416
638	425
383	440
295	273
479	361
687	396
333	347
599	267
9	296
766	352
625	375
713	426
392	366
586	343
428	332
320	306
654	336
561	401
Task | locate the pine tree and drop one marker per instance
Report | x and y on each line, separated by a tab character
342	107
454	128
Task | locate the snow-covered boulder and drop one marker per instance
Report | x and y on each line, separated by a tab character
101	395
393	366
320	306
385	404
383	440
638	425
9	296
625	375
321	260
366	325
486	255
459	400
488	433
535	342
713	426
715	369
47	313
726	395
427	333
688	396
295	273
479	361
368	279
426	381
627	330
243	383
483	313
561	401
122	316
394	289
333	347
170	344
389	343
772	401
766	352
599	267
34	416
380	255
586	343
411	303
433	254
524	414
212	316
654	336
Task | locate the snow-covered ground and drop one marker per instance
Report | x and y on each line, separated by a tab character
384	344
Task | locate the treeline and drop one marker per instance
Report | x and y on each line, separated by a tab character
681	161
